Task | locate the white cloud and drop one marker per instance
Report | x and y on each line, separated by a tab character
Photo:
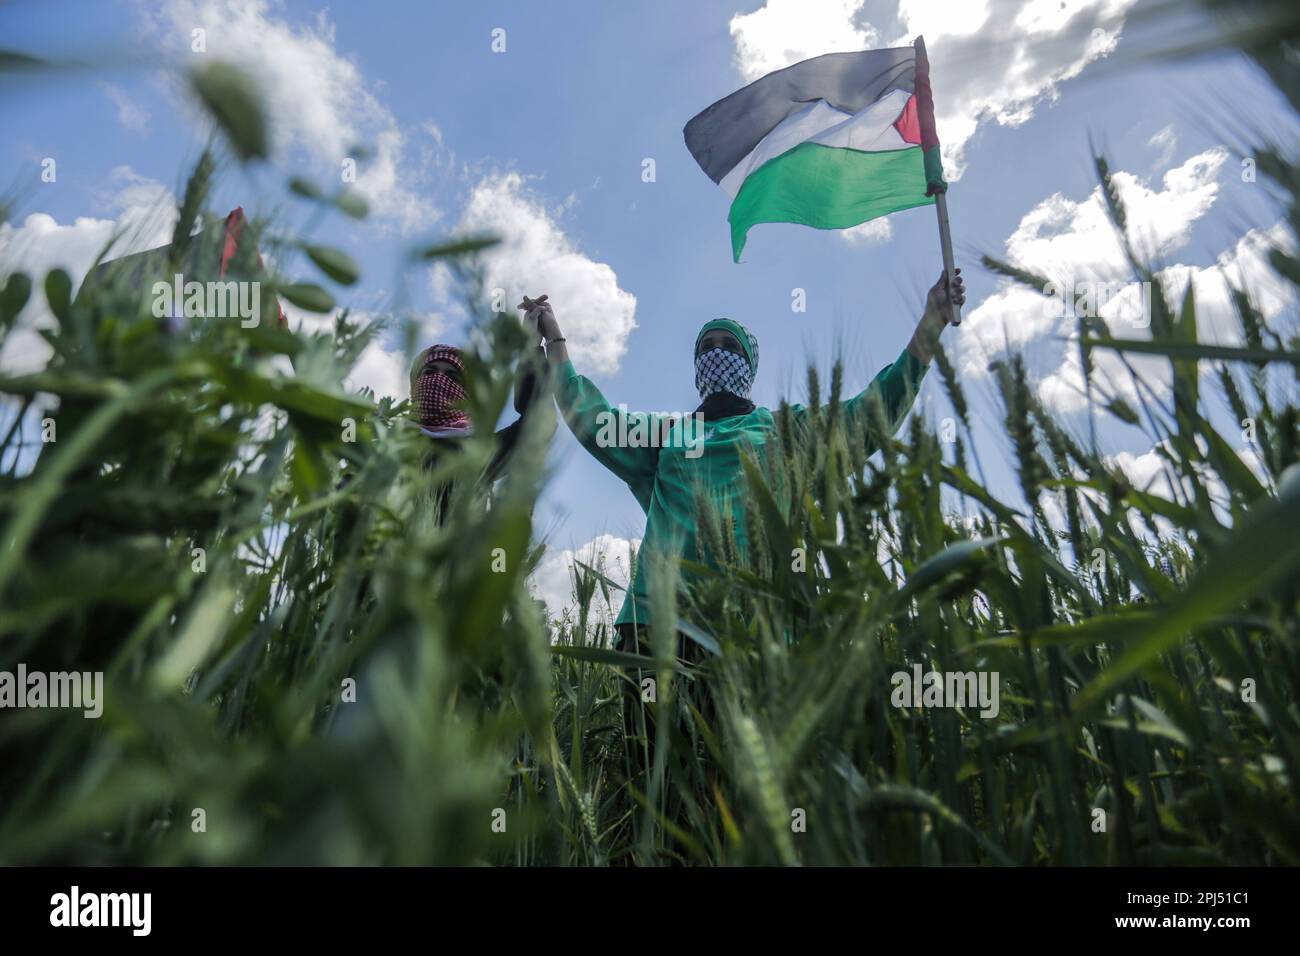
1007	320
1244	266
384	370
535	257
145	215
1063	390
381	370
1149	471
990	59
552	580
1062	238
875	231
782	32
130	114
317	99
1165	141
1073	241
1152	472
23	351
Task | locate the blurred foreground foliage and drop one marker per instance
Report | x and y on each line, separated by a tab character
231	536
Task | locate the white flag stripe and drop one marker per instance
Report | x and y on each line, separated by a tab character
799	127
870	130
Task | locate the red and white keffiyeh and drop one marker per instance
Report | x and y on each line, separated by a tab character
436	395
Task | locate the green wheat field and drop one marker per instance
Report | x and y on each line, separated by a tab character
302	666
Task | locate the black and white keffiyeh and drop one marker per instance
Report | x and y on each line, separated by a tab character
719	370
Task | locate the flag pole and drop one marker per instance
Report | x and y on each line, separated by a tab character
941	195
945	244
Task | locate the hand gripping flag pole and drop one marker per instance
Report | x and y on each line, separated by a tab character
945	244
934	169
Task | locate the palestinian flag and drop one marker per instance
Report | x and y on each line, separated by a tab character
831	142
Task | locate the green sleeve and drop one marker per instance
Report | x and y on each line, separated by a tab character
609	434
896	386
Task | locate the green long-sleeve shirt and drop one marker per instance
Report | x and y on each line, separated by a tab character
664	475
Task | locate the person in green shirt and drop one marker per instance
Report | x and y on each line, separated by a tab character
666	462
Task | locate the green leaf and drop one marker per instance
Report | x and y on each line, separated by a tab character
335	263
608	582
604	655
1115	628
456	247
37	496
892	796
58	293
698	635
1028	279
1186	371
308	296
1122	410
11	61
305	188
309	468
352	203
1157	721
293	395
200	634
1182	350
14	297
1235	472
270	338
959	557
231	96
1265	549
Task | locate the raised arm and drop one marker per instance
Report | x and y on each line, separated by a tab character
898	383
934	319
618	439
532	403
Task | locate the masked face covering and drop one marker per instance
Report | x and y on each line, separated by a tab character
721	371
435	393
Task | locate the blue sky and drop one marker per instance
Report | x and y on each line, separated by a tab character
548	141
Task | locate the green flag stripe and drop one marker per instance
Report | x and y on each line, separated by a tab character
828	187
934	171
